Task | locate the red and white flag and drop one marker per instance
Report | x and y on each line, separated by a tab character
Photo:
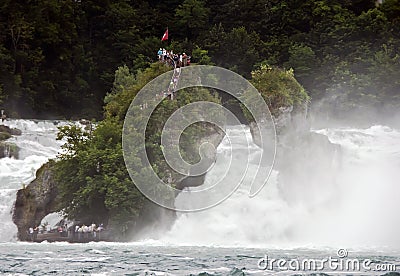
165	36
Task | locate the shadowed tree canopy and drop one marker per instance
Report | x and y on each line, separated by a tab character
58	58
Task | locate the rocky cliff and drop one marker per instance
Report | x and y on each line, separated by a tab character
35	201
214	137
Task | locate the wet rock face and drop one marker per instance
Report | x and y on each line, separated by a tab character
39	199
8	149
304	159
35	201
4	136
214	138
10	131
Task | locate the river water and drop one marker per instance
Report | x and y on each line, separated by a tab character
146	259
357	221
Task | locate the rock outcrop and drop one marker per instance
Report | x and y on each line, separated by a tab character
304	159
10	131
8	149
308	164
35	201
4	136
214	138
39	198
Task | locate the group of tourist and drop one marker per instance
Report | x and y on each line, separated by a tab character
78	231
175	60
44	229
85	232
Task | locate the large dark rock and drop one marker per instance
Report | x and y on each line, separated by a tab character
11	131
8	150
4	128
214	137
35	201
16	132
4	136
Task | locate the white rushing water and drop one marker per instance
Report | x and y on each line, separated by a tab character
37	145
360	209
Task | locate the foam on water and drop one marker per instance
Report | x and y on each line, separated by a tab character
360	210
37	145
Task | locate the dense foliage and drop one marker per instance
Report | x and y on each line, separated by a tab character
57	58
279	88
93	182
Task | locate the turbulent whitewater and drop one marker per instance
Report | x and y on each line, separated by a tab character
37	145
360	209
359	213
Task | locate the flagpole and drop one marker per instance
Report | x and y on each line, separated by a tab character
167	37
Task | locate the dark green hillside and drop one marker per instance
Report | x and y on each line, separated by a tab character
58	58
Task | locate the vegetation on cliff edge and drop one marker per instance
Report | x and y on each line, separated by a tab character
92	178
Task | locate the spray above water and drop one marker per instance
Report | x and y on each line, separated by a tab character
359	210
311	199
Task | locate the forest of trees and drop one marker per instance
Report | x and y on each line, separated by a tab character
58	58
82	58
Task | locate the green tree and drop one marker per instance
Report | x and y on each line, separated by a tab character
384	73
391	8
237	50
200	56
279	89
93	181
123	79
118	103
302	59
192	16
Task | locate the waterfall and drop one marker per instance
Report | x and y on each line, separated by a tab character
360	209
37	145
